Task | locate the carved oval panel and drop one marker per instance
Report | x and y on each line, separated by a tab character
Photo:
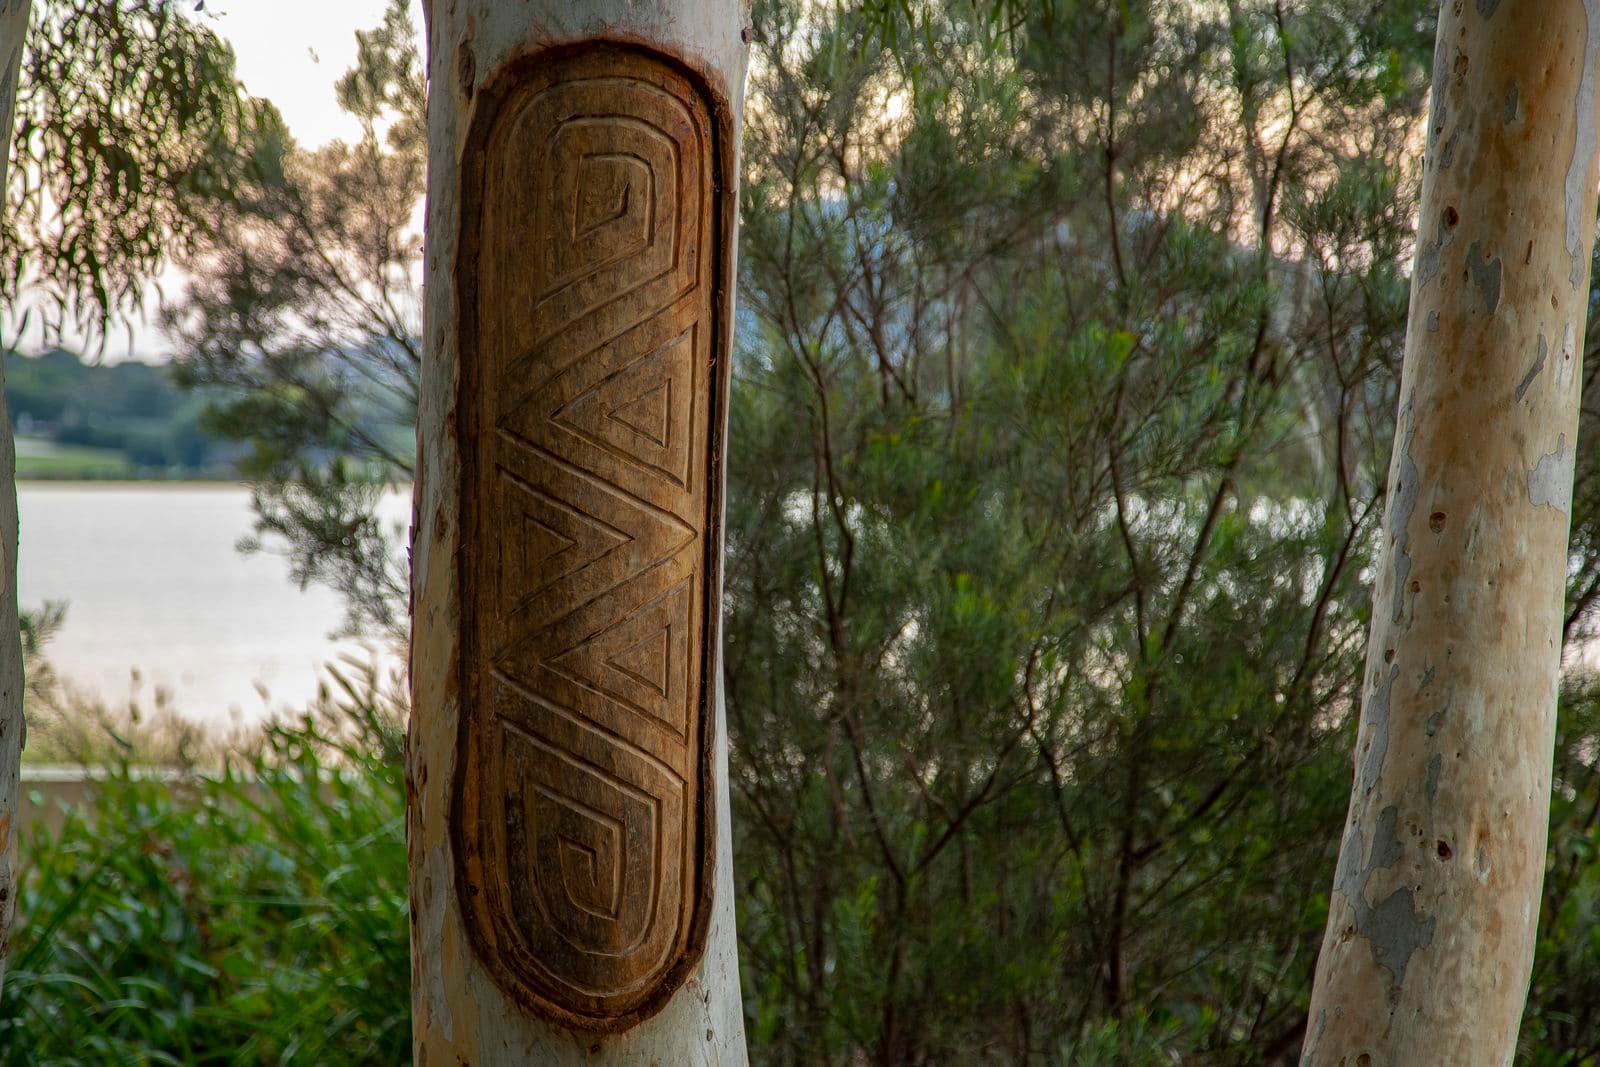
593	289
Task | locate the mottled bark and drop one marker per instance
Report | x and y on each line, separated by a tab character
13	25
568	826
1435	901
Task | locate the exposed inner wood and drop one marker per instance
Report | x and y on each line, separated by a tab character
591	385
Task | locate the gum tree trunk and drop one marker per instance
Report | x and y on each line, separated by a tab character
1430	937
13	24
571	856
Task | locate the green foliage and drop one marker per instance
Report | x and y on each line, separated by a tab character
131	131
1561	1028
121	420
301	326
1053	482
254	917
1064	388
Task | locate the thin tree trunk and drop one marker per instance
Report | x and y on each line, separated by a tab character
571	856
1435	901
13	26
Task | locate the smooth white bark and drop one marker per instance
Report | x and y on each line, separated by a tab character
1435	903
13	26
460	1014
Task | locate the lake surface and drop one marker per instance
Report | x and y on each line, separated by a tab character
160	599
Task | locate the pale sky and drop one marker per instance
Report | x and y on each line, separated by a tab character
290	52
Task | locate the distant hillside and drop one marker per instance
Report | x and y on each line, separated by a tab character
119	420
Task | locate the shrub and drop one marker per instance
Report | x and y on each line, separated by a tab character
253	916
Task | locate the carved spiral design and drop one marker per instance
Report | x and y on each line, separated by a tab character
589	550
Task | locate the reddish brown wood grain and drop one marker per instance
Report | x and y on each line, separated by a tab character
593	288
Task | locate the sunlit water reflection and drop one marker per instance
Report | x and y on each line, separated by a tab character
160	599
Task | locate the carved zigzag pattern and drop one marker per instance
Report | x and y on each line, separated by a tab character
596	327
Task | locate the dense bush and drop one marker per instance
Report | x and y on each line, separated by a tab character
254	917
1059	444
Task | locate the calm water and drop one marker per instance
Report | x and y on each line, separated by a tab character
159	598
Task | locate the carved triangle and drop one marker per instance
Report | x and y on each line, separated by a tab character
552	539
642	660
641	413
540	542
649	416
646	662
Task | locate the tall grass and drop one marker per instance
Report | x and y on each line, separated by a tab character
249	916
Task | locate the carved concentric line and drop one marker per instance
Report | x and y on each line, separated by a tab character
593	287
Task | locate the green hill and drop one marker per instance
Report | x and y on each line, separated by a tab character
117	420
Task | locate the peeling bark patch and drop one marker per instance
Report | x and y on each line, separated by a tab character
1550	481
1393	929
1402	504
1579	196
1434	766
1440	106
1376	714
1487	275
1386	847
1429	255
1448	156
1511	105
1533	371
1433	322
1346	879
1486	7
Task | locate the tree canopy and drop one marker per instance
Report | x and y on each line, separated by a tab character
131	130
1065	379
302	318
1066	386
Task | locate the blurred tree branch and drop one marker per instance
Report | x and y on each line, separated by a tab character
303	313
132	133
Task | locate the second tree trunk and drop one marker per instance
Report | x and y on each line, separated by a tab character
1435	900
